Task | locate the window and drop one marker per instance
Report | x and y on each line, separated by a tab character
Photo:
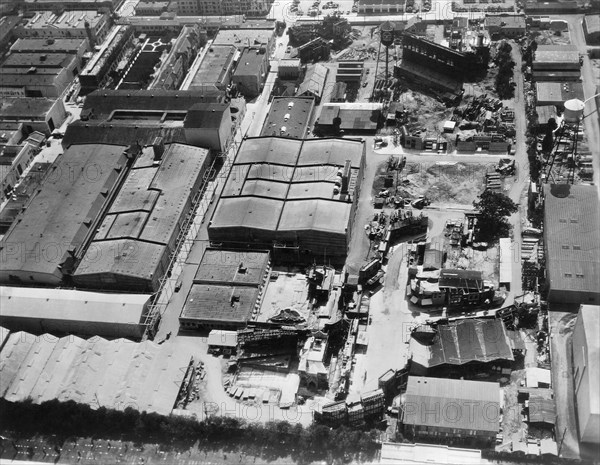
576	247
579	275
565	247
568	275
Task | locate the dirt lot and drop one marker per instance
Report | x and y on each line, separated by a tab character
459	183
550	37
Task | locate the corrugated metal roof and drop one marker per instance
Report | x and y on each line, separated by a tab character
571	232
97	372
451	403
464	341
541	410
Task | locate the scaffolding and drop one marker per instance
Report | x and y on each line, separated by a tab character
189	231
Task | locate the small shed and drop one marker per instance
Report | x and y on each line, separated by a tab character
222	341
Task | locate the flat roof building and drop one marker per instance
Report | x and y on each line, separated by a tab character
591	29
36	114
557	93
255	37
251	72
74	23
38	74
464	411
77	47
130	117
216	68
132	247
571	225
586	372
293	196
355	118
509	26
42	246
67	311
289	117
226	289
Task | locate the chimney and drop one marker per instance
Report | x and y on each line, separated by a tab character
90	37
158	145
346	176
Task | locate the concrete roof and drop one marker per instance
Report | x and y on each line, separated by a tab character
57	220
214	303
97	372
38	60
353	116
68	20
206	115
72	305
592	23
293	114
571	225
250	62
243	37
242	268
214	67
25	106
222	338
557	93
460	404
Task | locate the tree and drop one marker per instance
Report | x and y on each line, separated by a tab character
494	209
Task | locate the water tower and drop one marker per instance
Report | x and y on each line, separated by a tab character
386	35
560	143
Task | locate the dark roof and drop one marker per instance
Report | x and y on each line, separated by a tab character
541	410
298	111
214	304
452	403
81	132
38	60
104	102
28	44
571	225
205	115
25	106
242	268
465	279
250	62
465	341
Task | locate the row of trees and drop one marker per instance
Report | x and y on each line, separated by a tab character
505	87
273	440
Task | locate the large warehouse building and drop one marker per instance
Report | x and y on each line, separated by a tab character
586	372
115	374
571	225
67	311
296	197
44	243
226	289
132	247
